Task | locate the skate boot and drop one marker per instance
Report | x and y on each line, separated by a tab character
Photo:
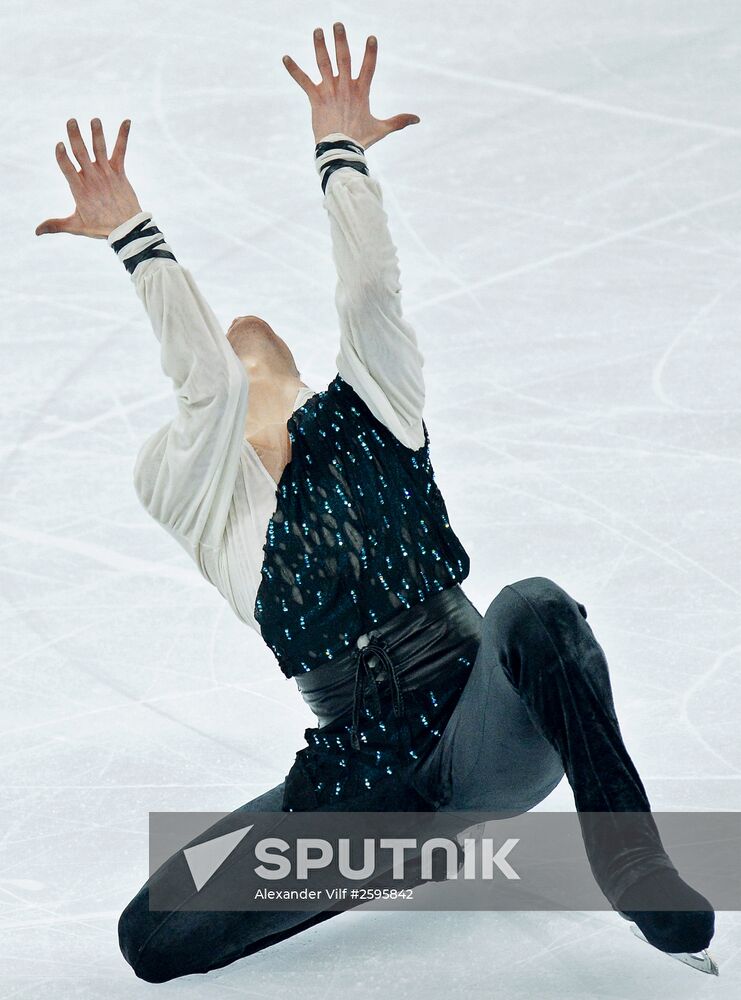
682	934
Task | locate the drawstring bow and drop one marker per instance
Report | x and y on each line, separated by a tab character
375	646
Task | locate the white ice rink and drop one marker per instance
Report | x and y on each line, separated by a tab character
568	220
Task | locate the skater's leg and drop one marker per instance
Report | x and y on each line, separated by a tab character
536	642
537	637
162	945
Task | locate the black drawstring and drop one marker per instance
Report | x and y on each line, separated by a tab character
363	673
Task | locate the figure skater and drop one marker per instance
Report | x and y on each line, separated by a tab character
316	514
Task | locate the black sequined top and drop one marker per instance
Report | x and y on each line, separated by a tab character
360	530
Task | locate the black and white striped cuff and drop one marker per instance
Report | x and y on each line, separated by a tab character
337	150
137	240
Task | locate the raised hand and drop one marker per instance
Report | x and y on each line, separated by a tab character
341	103
104	198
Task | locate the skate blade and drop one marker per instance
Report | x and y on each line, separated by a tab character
702	960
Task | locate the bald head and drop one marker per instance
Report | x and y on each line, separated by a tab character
263	353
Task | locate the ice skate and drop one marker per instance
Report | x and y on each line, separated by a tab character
702	960
690	929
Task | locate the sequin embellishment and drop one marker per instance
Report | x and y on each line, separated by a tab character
360	530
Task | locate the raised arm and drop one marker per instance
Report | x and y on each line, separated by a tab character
185	472
378	355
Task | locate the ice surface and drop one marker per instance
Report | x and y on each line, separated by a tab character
567	216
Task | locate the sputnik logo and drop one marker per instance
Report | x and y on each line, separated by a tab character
205	859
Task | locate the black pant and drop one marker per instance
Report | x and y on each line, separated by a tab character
537	704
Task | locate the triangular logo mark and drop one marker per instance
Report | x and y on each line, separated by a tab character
204	859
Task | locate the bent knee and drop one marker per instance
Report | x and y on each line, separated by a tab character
137	939
538	588
532	590
518	603
547	595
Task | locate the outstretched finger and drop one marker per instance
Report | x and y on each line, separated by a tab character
305	82
54	226
342	49
399	122
322	55
369	61
66	165
78	144
119	150
101	153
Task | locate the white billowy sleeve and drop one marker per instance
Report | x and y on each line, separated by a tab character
184	474
378	356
